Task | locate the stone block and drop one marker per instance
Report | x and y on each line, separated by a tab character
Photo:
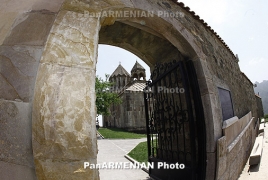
221	157
16	172
52	6
7	91
234	152
72	41
64	129
231	133
240	164
230	129
207	72
19	65
206	86
7	19
214	130
16	133
233	168
246	151
261	128
94	6
61	113
229	122
234	129
225	176
255	156
54	169
23	33
211	166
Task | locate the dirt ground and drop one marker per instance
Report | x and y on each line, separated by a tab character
260	171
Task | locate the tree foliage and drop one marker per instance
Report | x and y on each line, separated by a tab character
104	97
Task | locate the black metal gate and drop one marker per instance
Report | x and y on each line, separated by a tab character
175	123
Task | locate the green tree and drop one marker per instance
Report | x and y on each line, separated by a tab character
104	97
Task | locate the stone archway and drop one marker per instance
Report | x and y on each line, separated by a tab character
63	108
63	114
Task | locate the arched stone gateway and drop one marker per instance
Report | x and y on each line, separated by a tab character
48	57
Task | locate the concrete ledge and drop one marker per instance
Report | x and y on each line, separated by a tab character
229	122
255	156
232	145
136	163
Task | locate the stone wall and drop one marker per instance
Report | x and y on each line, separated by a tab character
135	111
130	113
234	126
232	157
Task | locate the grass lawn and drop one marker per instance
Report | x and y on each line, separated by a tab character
115	133
140	152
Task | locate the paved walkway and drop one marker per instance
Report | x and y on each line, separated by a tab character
114	151
258	172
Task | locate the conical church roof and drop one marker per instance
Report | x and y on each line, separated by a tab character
137	66
120	70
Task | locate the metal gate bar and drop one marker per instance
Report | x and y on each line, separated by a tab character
171	121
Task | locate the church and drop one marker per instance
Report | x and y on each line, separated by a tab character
128	115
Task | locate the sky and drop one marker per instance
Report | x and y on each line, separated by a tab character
242	24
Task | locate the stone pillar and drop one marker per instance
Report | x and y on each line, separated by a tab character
64	113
